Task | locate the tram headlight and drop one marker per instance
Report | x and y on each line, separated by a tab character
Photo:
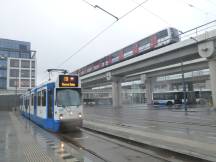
80	115
61	116
62	145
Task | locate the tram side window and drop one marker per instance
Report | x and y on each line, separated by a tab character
32	99
39	98
44	97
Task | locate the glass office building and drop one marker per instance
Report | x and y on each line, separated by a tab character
17	65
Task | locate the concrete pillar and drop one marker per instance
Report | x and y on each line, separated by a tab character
212	68
190	86
149	89
116	92
191	96
207	50
169	86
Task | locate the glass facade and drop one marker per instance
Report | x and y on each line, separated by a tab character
15	49
3	64
17	67
3	83
3	73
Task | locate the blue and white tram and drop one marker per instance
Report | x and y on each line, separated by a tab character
55	105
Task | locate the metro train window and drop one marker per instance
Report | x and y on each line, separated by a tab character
174	33
143	42
115	57
44	97
162	34
128	49
102	62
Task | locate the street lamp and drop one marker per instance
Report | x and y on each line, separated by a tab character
16	86
184	86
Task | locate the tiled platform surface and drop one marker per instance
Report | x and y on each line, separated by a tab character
21	141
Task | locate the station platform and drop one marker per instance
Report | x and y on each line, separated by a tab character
23	141
192	133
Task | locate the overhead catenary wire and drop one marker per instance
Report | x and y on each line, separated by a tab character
86	44
100	33
102	9
127	13
154	14
88	3
197	8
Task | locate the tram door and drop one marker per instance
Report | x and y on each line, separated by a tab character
50	103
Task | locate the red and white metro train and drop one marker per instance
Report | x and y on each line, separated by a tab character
152	42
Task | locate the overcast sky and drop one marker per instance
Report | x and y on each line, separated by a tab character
58	28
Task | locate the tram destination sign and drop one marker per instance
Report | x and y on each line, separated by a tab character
68	81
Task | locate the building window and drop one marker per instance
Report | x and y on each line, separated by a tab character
25	73
25	83
33	73
32	83
3	73
14	72
3	83
33	64
25	64
14	63
14	83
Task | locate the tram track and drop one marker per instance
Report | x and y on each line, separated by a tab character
151	152
68	139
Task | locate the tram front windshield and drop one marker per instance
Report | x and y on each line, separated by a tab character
67	97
